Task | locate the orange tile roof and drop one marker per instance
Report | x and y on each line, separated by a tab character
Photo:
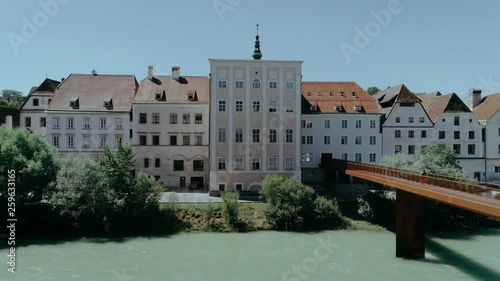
331	97
436	104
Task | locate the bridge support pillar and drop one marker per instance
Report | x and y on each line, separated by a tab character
410	225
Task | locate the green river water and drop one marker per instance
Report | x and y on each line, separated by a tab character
266	256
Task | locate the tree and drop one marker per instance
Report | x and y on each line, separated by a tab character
13	98
373	90
34	161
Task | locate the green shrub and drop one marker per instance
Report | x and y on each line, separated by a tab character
208	214
327	214
364	209
230	200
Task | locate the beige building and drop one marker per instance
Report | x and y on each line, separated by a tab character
254	121
171	128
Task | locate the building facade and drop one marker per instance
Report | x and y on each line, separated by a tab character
487	110
170	128
91	112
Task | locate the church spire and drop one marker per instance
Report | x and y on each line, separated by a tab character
257	55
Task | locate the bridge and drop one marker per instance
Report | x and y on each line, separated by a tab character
411	192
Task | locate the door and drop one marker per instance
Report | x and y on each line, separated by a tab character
477	176
183	182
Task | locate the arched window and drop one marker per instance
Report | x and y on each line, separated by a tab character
256	84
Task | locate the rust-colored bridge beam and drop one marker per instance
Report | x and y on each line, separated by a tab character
410	225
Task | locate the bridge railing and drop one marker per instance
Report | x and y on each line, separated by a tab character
467	186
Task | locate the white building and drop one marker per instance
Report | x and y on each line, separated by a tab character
171	134
457	127
339	120
90	112
255	121
33	116
487	111
407	127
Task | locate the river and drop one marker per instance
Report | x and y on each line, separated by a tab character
266	256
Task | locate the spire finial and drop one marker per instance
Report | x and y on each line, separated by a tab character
257	55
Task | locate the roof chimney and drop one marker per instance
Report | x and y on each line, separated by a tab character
94	72
476	97
176	72
8	121
150	72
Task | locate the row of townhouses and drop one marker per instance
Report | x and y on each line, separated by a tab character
250	118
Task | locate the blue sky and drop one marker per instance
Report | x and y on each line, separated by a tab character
450	46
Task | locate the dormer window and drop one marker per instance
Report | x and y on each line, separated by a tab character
331	94
108	104
190	97
73	102
157	96
353	94
338	108
357	107
320	94
342	94
309	94
160	96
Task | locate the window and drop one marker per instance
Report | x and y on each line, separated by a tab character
342	94
471	149
397	134
43	122
272	106
142	140
173	140
289	164
186	140
238	135
407	104
397	148
273	135
102	141
198	140
456	121
86	123
358	140
222	186
497	169
55	141
238	164
358	157
27	122
173	118
198	165
198	118
289	106
256	135
70	122
102	121
256	84
307	124
344	156
238	187
327	124
456	135
86	142
239	106
289	85
157	162
221	164
273	85
255	164
411	149
307	140
289	136
272	164
119	123
358	124
55	122
178	165
331	94
146	162
143	118
221	135
239	84
410	119
457	148
119	140
499	132
35	102
499	148
372	124
155	118
307	157
411	134
373	157
156	140
186	118
309	94
398	119
256	106
373	140
222	106
472	135
326	140
423	134
442	135
421	119
320	94
343	140
70	141
222	84
344	124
